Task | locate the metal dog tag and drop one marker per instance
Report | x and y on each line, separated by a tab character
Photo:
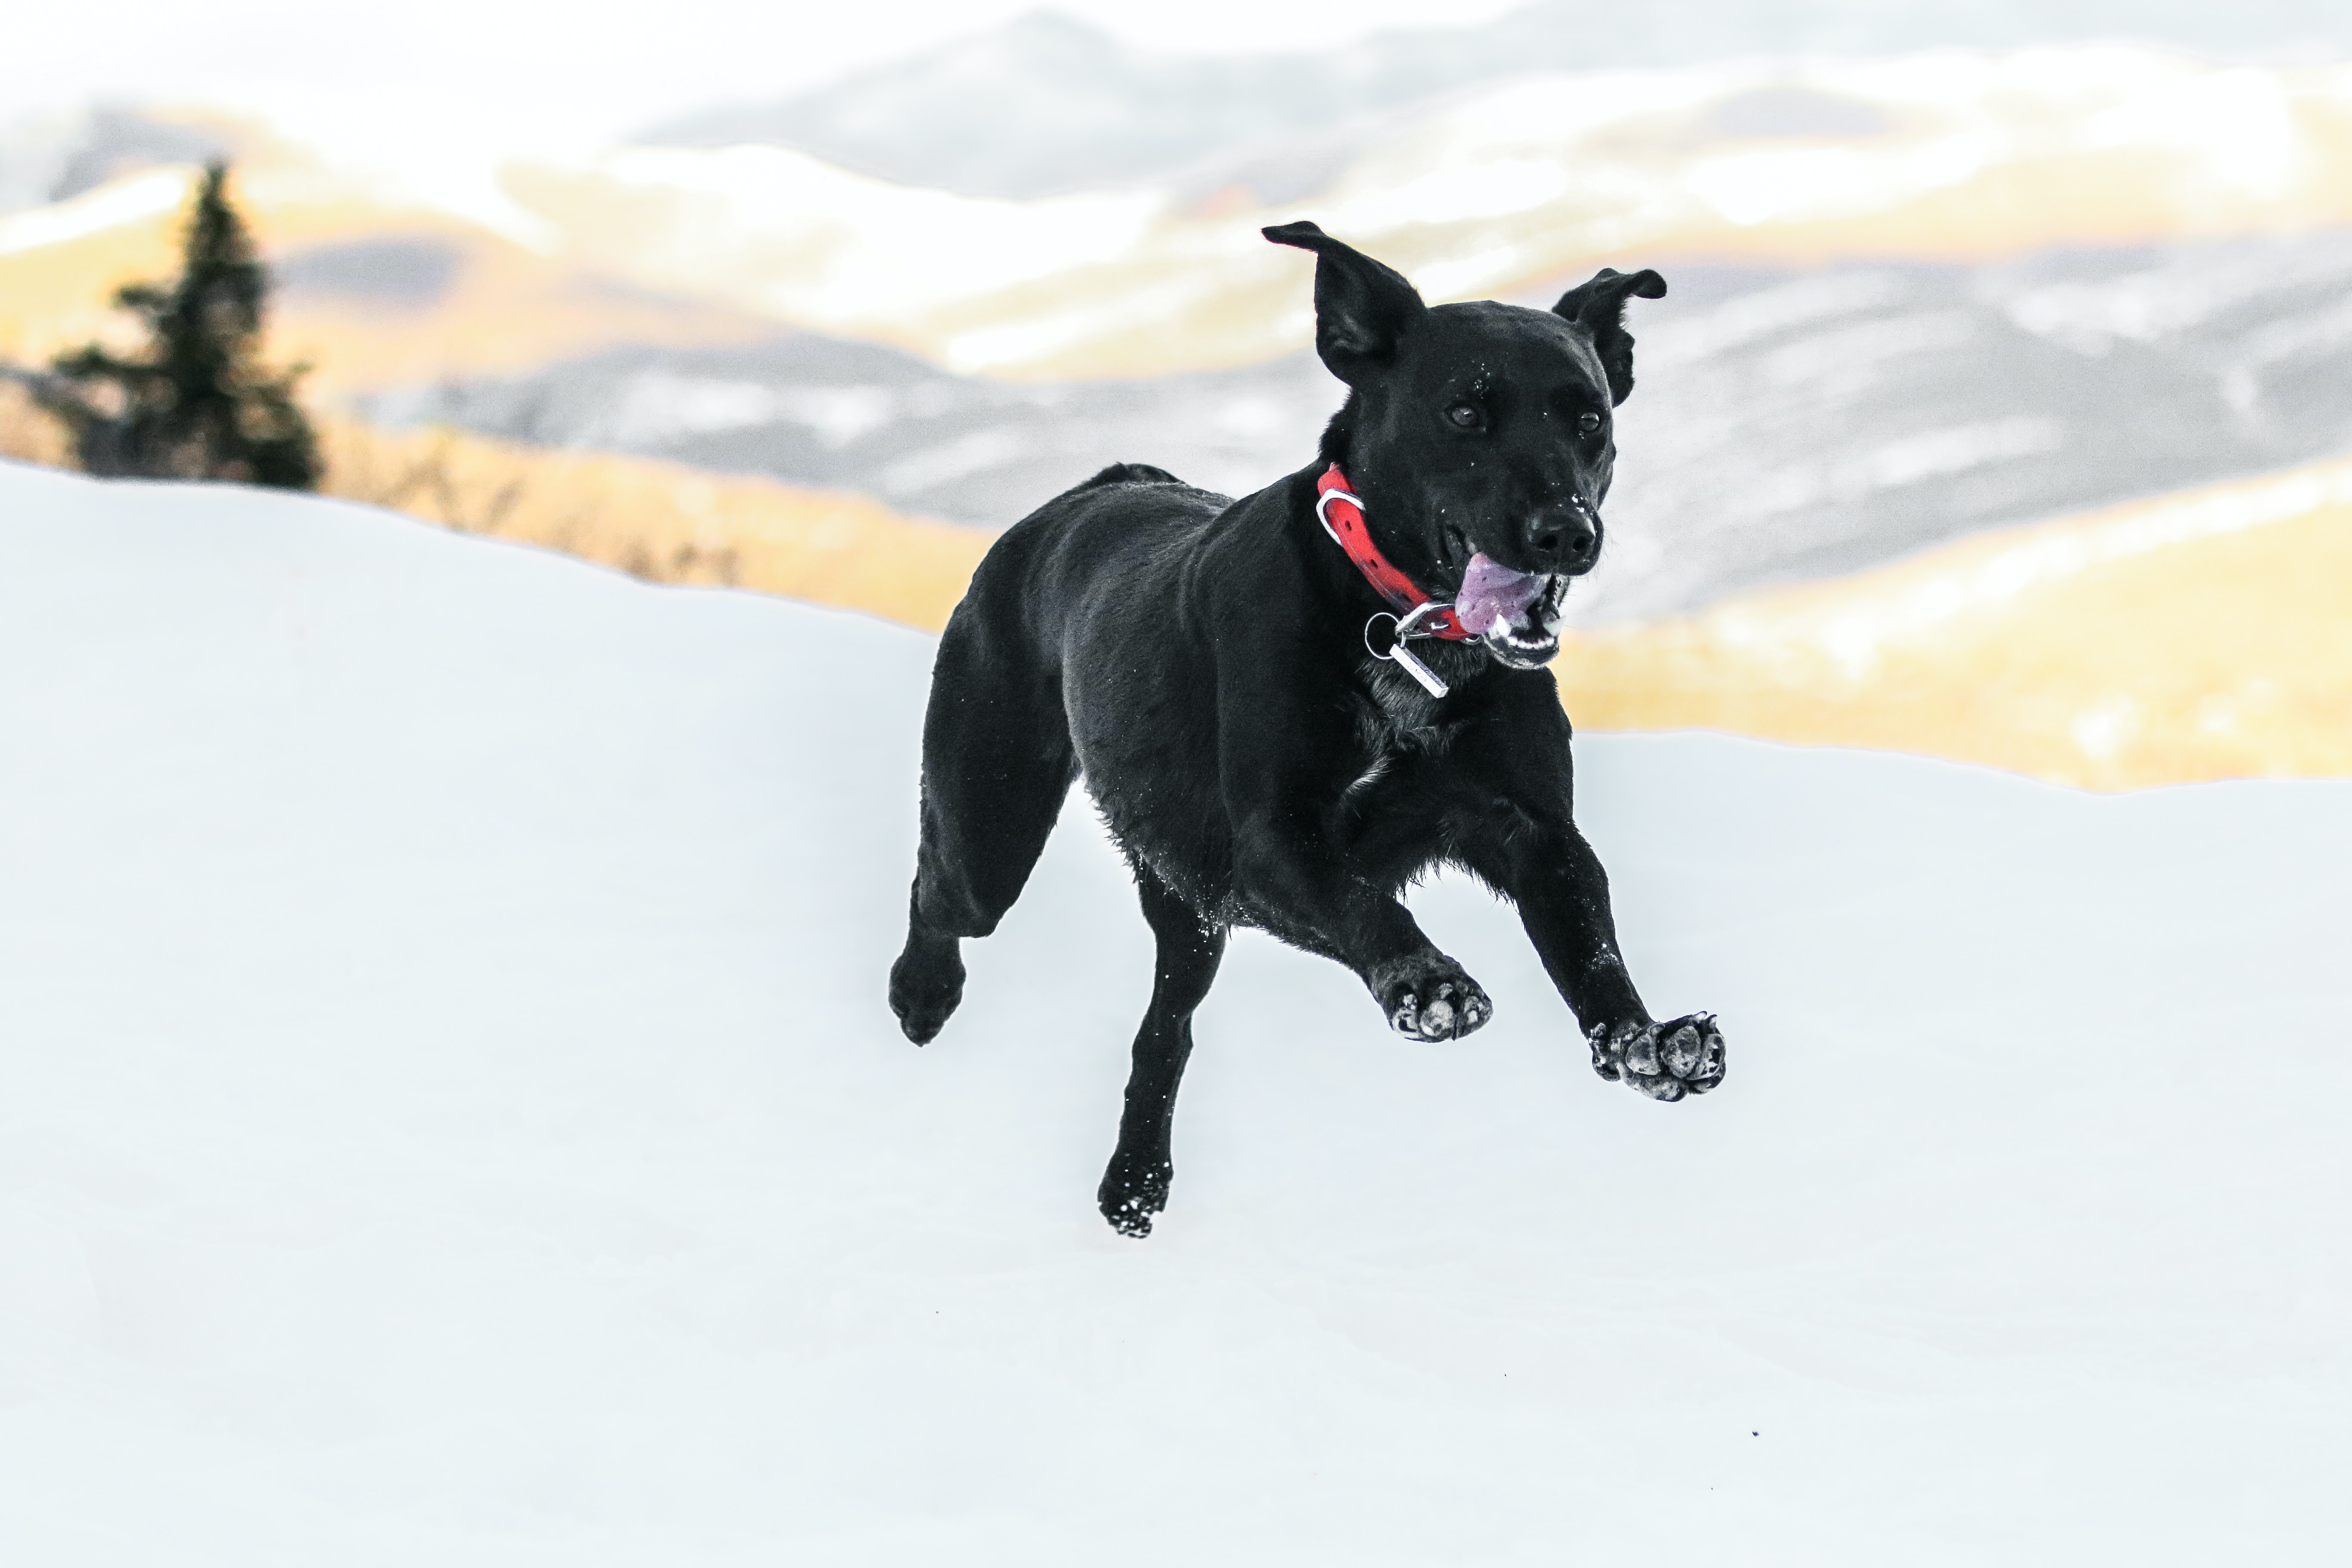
1419	671
1389	645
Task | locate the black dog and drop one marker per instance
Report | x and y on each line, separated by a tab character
1279	731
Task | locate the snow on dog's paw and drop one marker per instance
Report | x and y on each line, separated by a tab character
1430	998
1133	1190
1665	1061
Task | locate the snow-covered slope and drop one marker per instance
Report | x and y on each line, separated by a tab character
447	1113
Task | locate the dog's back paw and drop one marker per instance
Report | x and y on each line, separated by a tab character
926	983
1132	1191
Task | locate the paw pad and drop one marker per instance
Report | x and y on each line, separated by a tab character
1129	1216
1442	1006
1665	1061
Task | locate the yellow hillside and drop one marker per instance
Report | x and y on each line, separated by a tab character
2203	635
665	522
2200	635
655	520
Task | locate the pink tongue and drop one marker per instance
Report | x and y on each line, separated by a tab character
1492	592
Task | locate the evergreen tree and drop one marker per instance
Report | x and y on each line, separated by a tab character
195	402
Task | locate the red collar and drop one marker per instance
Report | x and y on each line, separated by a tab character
1342	516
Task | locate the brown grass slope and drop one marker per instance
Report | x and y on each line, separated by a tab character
656	521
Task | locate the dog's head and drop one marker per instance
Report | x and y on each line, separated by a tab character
1480	437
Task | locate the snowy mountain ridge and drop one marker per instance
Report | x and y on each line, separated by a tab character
1936	156
1047	103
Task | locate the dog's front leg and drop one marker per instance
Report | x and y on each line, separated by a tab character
1299	886
1513	821
1562	893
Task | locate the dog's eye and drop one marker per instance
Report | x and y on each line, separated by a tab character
1465	417
1588	422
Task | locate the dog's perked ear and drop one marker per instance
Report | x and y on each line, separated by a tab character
1362	308
1599	307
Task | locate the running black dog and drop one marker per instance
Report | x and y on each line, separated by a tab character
1279	727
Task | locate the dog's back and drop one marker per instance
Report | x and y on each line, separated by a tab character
1104	534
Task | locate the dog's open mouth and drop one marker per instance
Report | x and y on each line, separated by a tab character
1515	614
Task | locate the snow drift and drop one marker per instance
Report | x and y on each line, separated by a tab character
448	1113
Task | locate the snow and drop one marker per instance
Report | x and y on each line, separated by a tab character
112	205
448	1113
832	247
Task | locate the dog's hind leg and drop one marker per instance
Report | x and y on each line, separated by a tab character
996	765
1135	1187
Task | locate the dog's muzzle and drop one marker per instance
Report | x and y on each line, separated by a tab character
1516	615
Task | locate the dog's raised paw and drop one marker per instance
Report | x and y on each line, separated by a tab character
1431	999
1665	1061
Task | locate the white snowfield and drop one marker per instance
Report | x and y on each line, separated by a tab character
448	1115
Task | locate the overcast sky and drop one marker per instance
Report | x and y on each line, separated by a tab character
545	74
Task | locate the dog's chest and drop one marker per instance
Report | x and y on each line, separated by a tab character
1395	721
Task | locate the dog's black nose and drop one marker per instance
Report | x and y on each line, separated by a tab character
1564	538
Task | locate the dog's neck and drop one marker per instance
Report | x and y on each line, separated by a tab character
1341	513
1343	602
1382	498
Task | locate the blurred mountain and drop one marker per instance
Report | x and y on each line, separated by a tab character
1914	297
56	157
2199	635
1822	423
828	412
1788	424
1949	156
396	276
1046	104
371	288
